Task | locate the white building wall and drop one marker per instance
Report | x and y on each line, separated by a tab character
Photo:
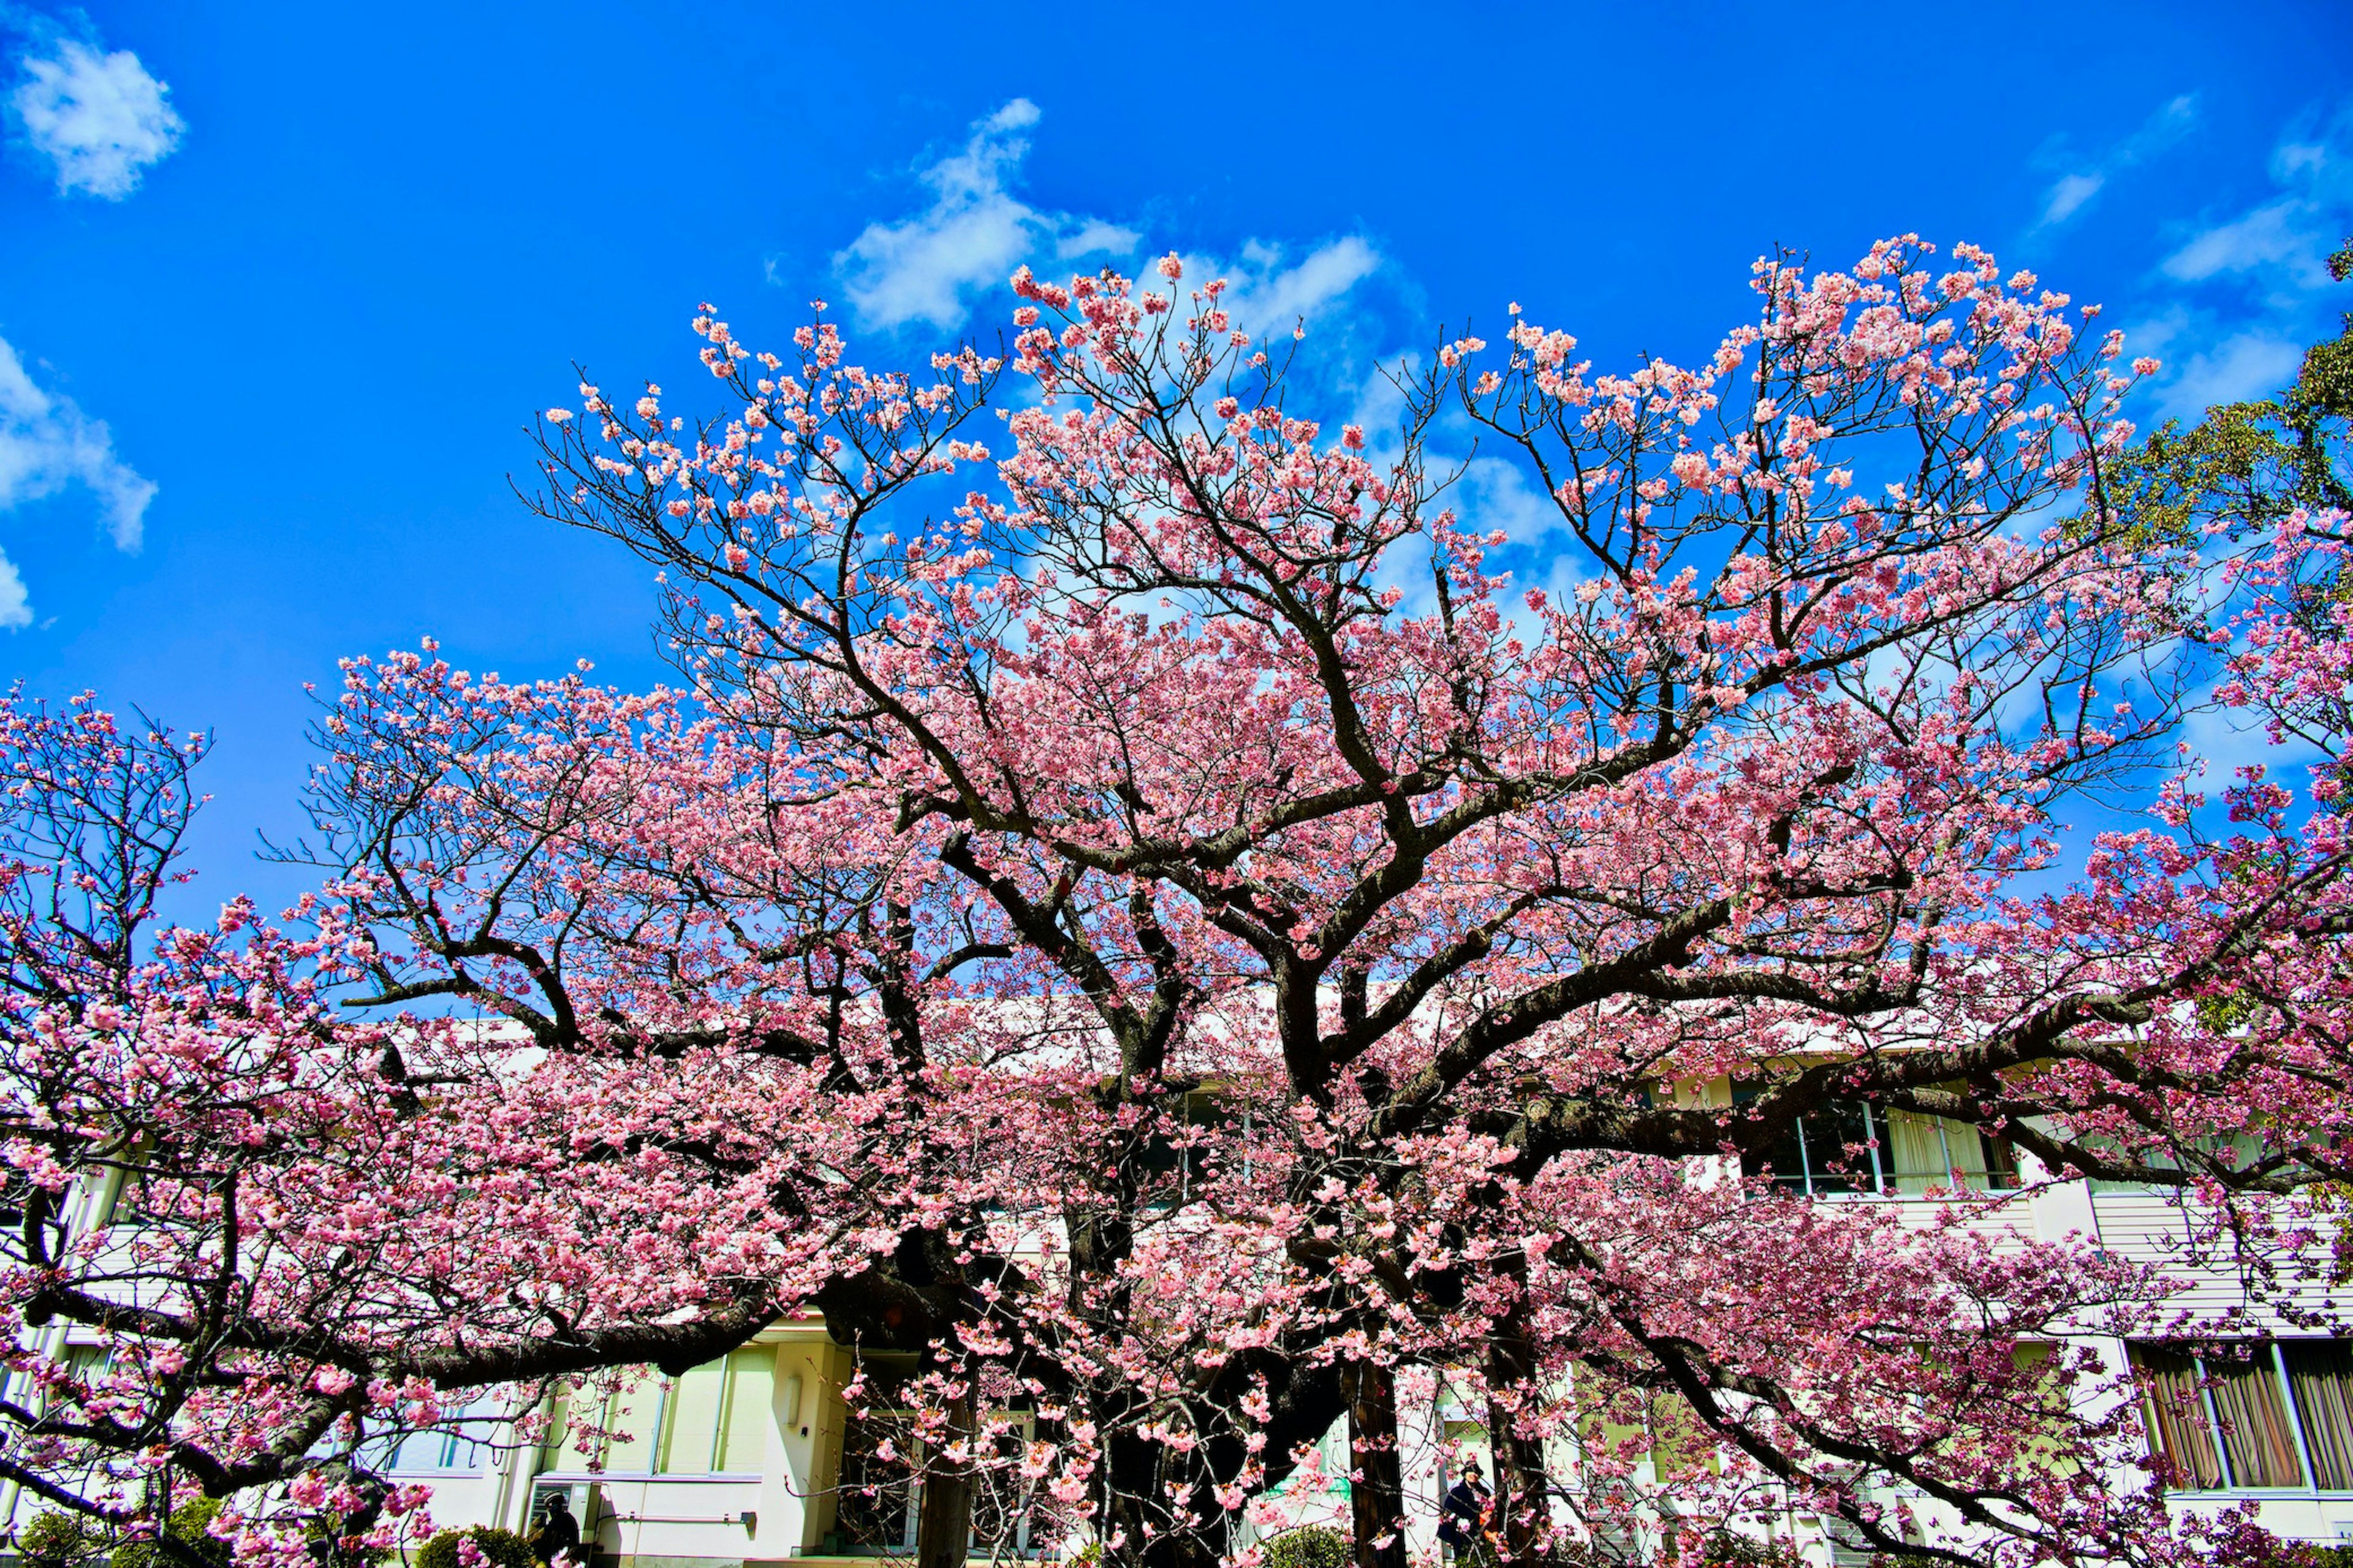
785	1510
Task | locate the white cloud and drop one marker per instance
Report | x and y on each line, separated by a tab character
926	268
47	443
101	119
2270	235
2229	739
2070	193
2287	238
15	604
972	235
2246	365
1267	298
2252	286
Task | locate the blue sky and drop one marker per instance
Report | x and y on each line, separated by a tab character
280	284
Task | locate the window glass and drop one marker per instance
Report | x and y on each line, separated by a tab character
2174	1407
1786	1158
636	1410
2251	1416
1837	1148
1851	1146
690	1420
2320	1376
744	1429
2248	1406
1913	1150
875	1507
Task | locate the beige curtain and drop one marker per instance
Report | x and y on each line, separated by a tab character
2320	1375
1912	1152
1921	1152
2176	1413
2255	1434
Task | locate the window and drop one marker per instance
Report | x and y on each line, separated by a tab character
874	1495
456	1446
1003	1502
2242	1149
1854	1147
2260	1416
435	1452
714	1420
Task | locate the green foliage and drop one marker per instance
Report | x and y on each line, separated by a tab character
2323	1556
1310	1546
1730	1549
60	1539
326	1537
504	1548
190	1526
2223	1014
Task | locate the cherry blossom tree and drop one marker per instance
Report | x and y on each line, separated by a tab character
1135	902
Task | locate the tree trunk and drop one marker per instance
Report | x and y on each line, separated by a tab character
943	1527
1140	1526
1523	1507
1376	1492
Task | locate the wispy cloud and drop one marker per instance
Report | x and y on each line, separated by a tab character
99	119
2243	366
972	237
1271	294
2288	236
2073	190
2250	288
46	445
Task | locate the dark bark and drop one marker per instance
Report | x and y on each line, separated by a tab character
943	1527
1375	1491
1522	1501
1159	1505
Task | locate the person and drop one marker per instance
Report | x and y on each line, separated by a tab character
558	1535
1462	1529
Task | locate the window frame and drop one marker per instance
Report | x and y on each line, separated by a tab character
2273	1359
2000	1160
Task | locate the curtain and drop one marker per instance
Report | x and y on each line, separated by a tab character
1915	1152
2176	1413
2254	1416
2320	1375
562	1448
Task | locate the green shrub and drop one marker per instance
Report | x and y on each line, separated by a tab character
504	1548
1730	1549
190	1526
1310	1546
58	1540
324	1535
2323	1556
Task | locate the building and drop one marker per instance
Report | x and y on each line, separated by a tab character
758	1459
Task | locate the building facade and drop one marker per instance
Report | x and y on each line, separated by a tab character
759	1458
